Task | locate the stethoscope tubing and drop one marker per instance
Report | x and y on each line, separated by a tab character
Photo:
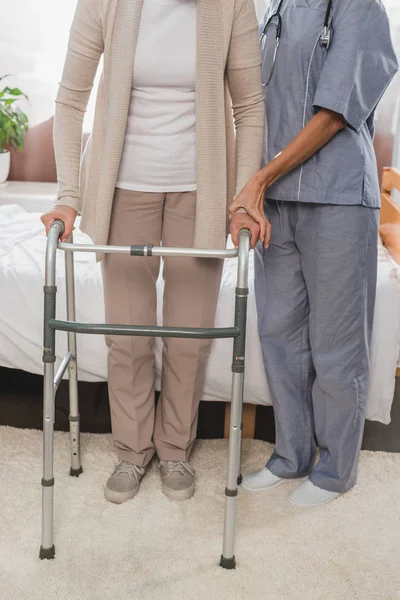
325	36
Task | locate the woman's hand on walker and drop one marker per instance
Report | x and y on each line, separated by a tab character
66	214
240	221
251	198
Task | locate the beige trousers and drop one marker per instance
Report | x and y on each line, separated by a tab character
190	299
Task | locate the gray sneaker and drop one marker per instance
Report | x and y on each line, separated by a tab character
124	482
177	479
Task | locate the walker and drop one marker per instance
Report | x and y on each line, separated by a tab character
52	380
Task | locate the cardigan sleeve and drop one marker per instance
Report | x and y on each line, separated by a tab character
243	72
85	48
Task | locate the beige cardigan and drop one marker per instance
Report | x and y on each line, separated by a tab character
227	75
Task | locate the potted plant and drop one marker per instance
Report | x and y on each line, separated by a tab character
13	127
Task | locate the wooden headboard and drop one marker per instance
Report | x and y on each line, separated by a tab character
390	213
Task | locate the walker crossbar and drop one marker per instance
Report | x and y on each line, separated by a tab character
148	250
63	367
143	331
52	381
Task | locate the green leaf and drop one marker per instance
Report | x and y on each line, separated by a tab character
13	91
8	101
13	121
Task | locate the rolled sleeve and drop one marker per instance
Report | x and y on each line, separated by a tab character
360	63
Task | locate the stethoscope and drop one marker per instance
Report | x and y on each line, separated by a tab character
324	39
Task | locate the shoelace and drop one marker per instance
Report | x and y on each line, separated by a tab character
177	467
129	469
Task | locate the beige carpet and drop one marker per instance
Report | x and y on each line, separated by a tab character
152	549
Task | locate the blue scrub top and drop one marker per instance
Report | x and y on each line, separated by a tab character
349	78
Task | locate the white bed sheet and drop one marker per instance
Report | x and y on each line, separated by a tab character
22	245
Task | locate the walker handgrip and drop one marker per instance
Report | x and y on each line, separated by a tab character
61	224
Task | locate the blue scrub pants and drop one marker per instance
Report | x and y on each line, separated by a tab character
315	291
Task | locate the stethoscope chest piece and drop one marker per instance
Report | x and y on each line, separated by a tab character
325	38
326	35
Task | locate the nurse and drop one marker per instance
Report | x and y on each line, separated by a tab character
326	65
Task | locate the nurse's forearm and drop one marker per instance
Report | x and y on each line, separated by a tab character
318	132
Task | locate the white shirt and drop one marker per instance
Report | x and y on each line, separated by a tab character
160	142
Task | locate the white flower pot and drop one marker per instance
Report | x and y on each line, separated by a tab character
4	166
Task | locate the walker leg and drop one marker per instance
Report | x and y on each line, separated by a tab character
74	420
47	549
228	560
240	445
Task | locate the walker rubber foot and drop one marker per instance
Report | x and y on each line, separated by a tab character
75	472
239	480
47	553
227	563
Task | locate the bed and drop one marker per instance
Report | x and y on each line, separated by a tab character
22	244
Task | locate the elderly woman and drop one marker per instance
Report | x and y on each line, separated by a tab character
325	67
162	165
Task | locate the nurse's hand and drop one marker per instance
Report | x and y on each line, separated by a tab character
241	221
251	198
66	214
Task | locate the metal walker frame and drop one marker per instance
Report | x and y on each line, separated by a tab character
52	380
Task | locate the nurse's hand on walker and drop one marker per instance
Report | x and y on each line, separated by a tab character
241	220
66	214
247	211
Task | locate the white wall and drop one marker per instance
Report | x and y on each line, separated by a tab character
34	35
